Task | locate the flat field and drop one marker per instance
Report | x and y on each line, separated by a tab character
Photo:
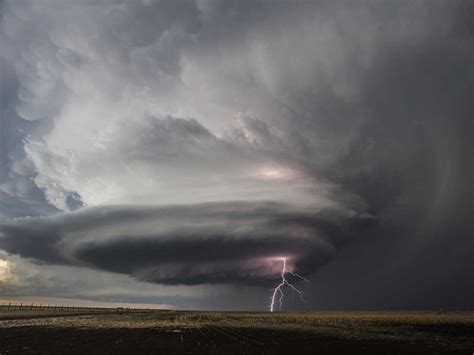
189	332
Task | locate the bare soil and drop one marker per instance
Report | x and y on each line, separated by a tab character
183	332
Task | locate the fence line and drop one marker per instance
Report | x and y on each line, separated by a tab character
21	306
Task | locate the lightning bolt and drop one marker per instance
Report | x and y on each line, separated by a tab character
284	282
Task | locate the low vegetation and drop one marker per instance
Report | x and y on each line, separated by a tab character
146	331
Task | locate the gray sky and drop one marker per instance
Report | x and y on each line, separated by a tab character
171	152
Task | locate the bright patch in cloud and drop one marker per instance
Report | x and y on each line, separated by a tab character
5	272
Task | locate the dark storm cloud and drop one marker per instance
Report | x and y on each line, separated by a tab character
210	243
412	164
352	105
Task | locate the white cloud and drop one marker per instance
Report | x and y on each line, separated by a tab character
108	89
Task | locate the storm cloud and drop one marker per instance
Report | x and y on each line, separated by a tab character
195	244
196	142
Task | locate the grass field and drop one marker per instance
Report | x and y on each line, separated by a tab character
186	332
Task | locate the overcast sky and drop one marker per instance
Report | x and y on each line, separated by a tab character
172	152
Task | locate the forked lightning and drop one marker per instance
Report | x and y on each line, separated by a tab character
284	282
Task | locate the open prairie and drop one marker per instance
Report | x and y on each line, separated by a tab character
189	332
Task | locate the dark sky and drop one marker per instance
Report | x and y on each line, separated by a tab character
172	152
